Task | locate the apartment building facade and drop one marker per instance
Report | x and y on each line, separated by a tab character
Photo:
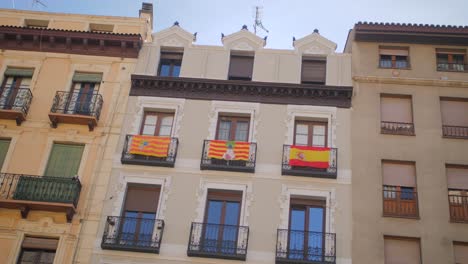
410	147
231	153
62	79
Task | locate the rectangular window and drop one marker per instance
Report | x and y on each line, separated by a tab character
451	59
157	124
457	182
83	93
457	177
233	128
460	252
454	117
314	70
396	114
402	250
241	67
64	160
399	189
394	57
35	250
170	63
310	133
4	146
15	88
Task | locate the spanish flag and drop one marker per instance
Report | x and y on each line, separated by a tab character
314	157
150	146
229	150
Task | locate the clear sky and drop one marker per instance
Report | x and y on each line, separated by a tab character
283	18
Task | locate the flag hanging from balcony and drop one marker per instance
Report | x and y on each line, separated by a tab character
314	157
229	150
150	146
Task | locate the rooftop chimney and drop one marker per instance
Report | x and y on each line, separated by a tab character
146	11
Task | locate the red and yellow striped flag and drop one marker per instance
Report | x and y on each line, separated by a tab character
150	146
315	157
229	150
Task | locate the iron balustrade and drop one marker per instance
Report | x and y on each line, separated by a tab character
77	103
15	98
455	131
397	128
169	161
296	246
399	201
458	208
208	163
330	172
456	67
133	234
218	241
40	188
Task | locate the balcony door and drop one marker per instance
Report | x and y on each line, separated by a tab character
310	133
233	128
306	230
82	97
11	89
157	124
222	221
139	215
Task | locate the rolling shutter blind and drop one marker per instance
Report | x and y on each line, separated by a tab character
241	66
394	51
4	145
313	71
40	243
19	72
87	77
395	109
460	251
399	251
457	178
451	51
454	113
64	160
171	56
142	199
399	174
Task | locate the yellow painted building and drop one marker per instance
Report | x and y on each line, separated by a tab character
63	79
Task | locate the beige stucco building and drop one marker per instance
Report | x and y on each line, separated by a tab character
409	143
217	183
63	78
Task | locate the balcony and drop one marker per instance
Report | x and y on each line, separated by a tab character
295	246
231	156
455	132
458	208
397	128
120	234
218	241
76	108
27	193
14	103
330	172
165	160
455	67
400	201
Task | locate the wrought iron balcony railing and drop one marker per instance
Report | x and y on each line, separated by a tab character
137	159
295	246
399	201
455	131
47	193
458	208
76	108
397	128
218	241
330	172
456	67
15	102
133	234
225	163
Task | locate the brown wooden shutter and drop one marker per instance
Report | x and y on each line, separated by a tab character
399	250
142	198
460	252
454	112
396	109
457	177
314	71
399	174
40	243
171	55
241	66
224	195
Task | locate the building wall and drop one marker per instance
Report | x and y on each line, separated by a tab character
428	149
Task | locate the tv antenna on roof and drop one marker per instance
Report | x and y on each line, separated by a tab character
38	2
258	20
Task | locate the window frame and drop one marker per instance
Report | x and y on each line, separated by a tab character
242	55
171	62
232	130
394	58
322	60
160	116
310	135
450	53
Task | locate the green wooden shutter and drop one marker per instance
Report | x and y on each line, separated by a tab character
4	145
64	160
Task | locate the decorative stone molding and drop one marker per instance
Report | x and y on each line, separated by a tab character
411	81
241	91
44	226
243	40
314	44
174	36
252	109
154	104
